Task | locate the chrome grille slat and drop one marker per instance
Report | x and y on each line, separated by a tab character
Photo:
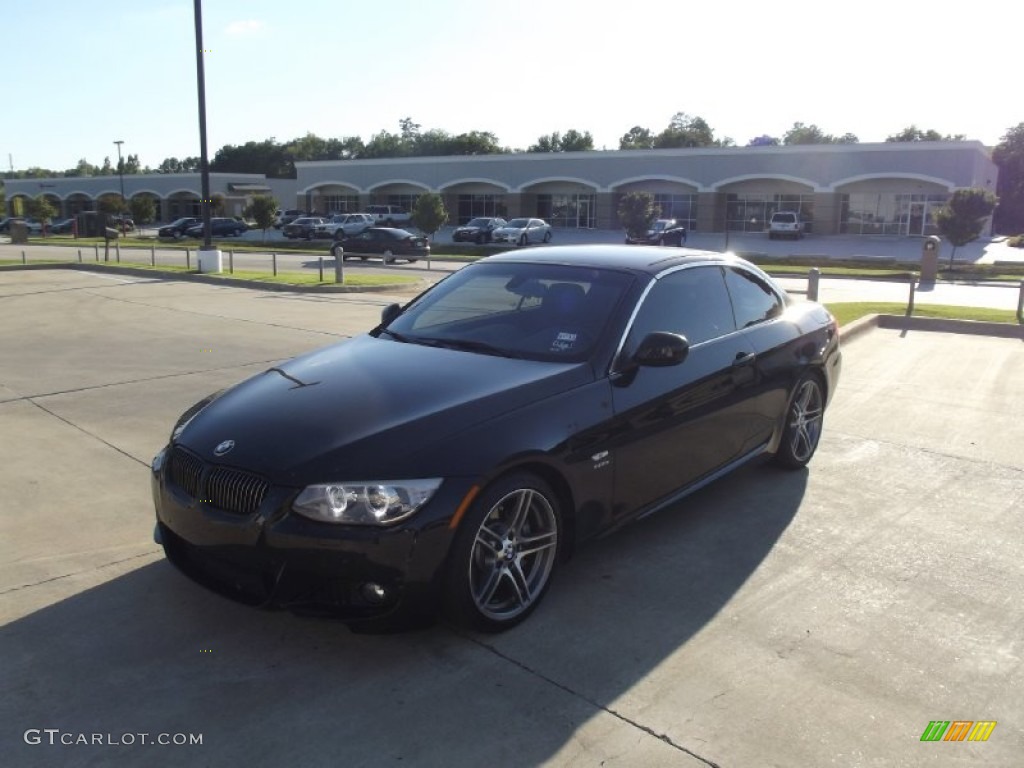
186	472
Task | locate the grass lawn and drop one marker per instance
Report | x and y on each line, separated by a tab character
847	312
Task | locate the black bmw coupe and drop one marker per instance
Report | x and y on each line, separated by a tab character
455	455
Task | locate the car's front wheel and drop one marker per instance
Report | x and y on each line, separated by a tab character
523	240
389	257
504	554
547	237
803	423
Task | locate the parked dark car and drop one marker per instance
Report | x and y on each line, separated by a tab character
662	232
122	223
456	454
219	227
303	227
287	217
61	227
177	228
388	242
477	230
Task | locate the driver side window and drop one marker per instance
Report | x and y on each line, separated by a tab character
691	302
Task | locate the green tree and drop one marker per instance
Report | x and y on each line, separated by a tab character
1008	156
142	208
548	143
111	205
217	204
174	165
262	209
963	217
429	213
913	133
637	212
41	209
131	164
266	157
637	138
107	169
574	141
685	131
812	134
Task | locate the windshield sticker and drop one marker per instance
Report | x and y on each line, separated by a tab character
563	342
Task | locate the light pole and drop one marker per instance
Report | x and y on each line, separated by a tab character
120	172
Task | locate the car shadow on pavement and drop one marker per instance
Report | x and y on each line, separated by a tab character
150	652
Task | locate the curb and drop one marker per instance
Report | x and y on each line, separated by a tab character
862	325
233	282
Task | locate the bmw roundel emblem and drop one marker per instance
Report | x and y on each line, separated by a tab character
223	448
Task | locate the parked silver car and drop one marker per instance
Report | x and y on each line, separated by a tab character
349	223
523	232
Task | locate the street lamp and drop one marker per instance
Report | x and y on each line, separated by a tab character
120	172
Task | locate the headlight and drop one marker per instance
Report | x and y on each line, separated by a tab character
365	502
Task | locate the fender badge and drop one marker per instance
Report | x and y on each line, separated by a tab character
224	447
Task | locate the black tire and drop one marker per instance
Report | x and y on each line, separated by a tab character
547	237
804	418
480	239
523	240
504	554
389	257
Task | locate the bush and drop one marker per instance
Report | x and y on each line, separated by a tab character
1017	241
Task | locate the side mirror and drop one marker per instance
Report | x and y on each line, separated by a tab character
389	313
661	349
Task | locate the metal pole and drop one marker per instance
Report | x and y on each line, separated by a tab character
120	173
152	255
96	247
188	259
231	262
813	278
273	258
339	265
910	303
204	164
117	250
79	255
320	264
1020	303
22	257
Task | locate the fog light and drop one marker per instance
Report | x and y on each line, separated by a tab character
373	593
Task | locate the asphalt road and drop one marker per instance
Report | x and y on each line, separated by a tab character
822	617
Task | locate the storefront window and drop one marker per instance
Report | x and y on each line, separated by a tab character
751	212
567	211
889	213
472	206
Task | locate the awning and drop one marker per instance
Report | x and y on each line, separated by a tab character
248	188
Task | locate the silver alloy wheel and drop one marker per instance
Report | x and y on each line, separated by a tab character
805	417
513	554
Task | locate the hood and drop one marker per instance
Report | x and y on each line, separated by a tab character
365	406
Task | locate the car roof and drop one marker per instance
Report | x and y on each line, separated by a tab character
647	259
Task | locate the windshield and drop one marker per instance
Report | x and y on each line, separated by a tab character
548	312
479	223
519	223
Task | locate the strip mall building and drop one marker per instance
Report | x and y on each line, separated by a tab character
852	189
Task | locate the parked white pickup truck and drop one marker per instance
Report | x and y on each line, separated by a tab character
389	215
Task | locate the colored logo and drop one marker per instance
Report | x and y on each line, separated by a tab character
958	730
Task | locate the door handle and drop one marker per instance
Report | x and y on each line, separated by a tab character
743	358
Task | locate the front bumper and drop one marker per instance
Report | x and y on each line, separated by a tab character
272	557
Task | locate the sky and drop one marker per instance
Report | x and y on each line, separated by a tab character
79	76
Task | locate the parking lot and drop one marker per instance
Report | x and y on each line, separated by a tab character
822	617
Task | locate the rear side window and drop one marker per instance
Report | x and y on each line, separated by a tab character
784	218
753	300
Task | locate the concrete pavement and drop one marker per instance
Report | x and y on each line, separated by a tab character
773	619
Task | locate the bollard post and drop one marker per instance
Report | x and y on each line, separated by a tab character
339	265
273	260
96	247
1020	304
188	258
813	279
79	255
320	264
152	255
22	257
231	262
910	303
117	250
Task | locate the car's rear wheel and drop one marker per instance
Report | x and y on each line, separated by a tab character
523	240
481	239
389	257
547	237
504	554
803	423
